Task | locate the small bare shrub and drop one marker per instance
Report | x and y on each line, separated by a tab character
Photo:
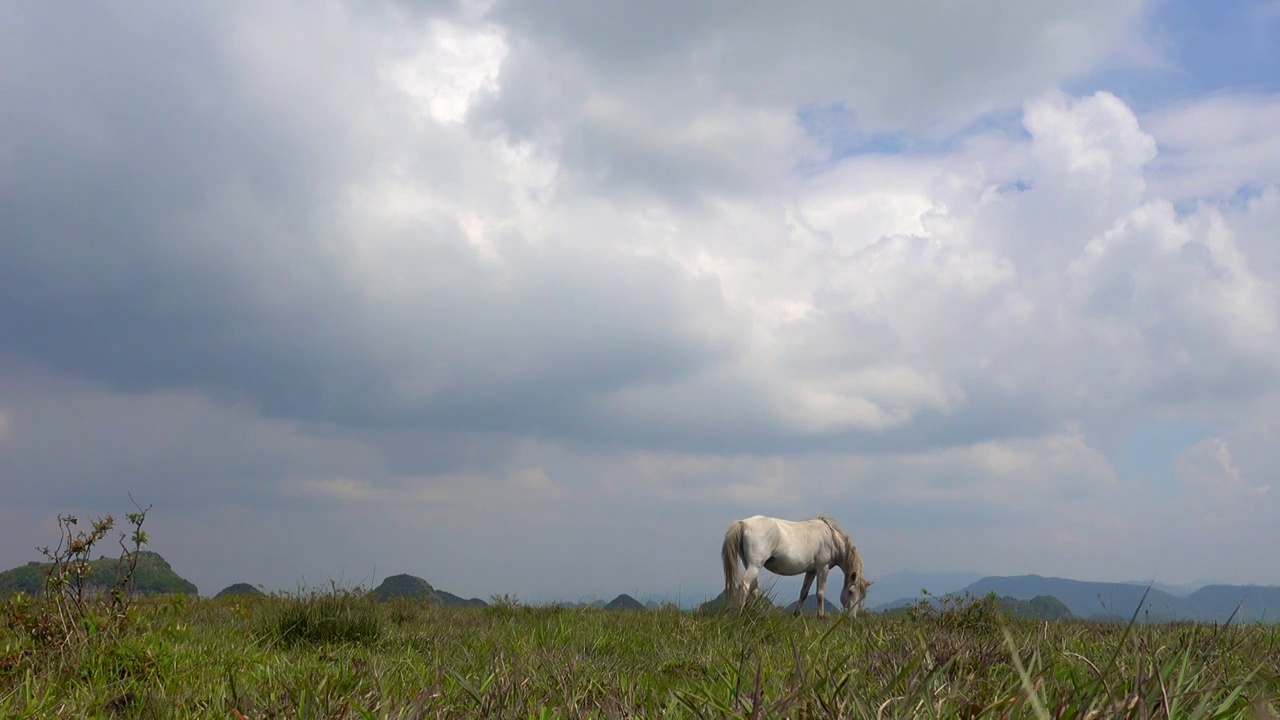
80	601
961	613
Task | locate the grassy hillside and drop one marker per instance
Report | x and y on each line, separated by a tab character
246	658
153	576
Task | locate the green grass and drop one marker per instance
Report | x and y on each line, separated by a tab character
216	658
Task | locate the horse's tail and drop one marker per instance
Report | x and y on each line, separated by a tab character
731	555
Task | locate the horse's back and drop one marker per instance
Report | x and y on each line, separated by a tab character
782	524
779	529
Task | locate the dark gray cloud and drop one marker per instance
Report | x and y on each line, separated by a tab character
163	230
68	443
909	63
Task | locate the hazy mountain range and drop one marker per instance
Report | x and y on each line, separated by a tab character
1084	599
1120	600
905	584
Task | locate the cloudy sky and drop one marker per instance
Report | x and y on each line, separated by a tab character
538	297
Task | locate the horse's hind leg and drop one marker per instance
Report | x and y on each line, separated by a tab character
750	586
804	592
822	591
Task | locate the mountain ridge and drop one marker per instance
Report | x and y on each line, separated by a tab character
1121	600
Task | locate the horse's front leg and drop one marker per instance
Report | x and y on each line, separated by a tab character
822	591
804	591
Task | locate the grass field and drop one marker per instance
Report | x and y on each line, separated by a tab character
336	655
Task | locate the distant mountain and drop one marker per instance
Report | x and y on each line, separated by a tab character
1118	601
624	602
152	576
652	600
405	586
1174	590
448	598
898	604
1257	603
412	586
581	604
904	586
239	589
811	606
1040	607
671	599
1085	599
718	603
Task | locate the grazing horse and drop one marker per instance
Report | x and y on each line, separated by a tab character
789	547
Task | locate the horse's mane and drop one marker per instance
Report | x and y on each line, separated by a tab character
853	560
835	526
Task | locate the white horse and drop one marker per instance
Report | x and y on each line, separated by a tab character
789	547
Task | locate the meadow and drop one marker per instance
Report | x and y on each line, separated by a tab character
338	654
83	648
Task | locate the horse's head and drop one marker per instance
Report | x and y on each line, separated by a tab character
855	580
854	591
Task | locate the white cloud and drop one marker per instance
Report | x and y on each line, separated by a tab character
1180	300
1212	146
1031	476
1208	472
1092	149
451	66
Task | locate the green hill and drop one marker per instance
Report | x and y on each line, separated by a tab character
405	586
811	606
27	579
239	589
414	587
1040	607
719	604
624	602
1087	599
152	576
448	598
715	604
